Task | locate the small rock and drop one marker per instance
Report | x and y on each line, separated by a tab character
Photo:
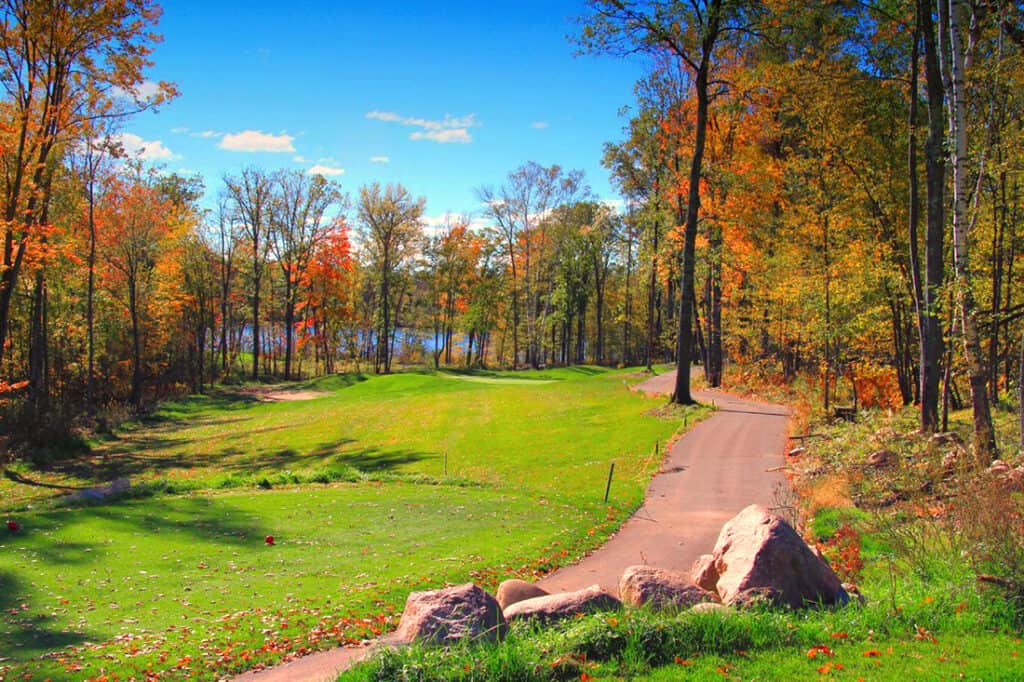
450	614
1013	480
754	597
855	594
660	589
882	458
512	591
563	605
710	607
998	467
951	460
704	572
947	437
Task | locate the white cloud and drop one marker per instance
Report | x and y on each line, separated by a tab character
455	135
300	159
443	131
540	125
207	134
380	159
179	130
325	170
147	150
257	141
143	92
437	224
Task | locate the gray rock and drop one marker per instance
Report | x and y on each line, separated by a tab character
562	605
661	589
450	614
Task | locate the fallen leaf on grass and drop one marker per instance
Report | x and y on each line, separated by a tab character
819	649
872	653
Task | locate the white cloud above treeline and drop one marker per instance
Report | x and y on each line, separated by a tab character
321	169
448	130
257	141
147	150
380	159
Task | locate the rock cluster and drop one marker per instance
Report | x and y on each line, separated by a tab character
758	558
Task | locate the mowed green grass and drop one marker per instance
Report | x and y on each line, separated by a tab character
502	428
183	585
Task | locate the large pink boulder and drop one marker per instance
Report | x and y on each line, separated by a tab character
450	614
562	605
759	557
660	589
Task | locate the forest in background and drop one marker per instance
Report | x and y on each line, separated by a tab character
827	190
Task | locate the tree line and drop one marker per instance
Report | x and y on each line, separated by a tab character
840	185
822	189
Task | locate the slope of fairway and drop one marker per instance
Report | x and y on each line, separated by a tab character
164	582
561	427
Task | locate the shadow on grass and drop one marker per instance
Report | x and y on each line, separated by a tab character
97	537
28	632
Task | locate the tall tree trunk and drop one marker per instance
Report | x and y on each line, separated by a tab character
90	299
39	389
681	393
714	340
984	434
256	323
133	311
289	323
935	228
627	356
1020	388
652	302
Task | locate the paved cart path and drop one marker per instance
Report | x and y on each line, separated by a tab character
723	464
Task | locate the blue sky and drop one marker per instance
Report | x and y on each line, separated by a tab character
442	97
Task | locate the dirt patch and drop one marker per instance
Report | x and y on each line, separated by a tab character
270	394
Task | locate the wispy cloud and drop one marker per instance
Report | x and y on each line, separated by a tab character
438	224
143	92
540	125
257	141
147	150
454	135
320	169
380	159
450	129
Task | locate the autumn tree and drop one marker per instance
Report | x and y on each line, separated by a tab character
329	295
65	64
252	195
135	231
518	210
692	34
451	257
299	222
391	231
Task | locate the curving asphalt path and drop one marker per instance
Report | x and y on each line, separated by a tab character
720	466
